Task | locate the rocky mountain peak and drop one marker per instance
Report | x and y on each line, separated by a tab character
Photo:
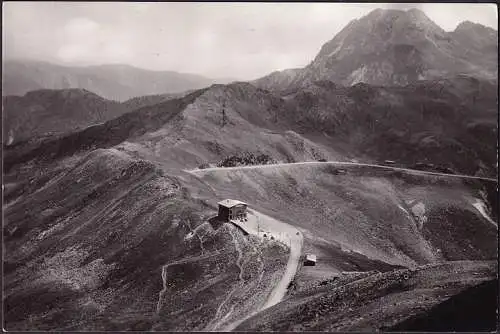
479	42
476	32
379	28
390	47
468	25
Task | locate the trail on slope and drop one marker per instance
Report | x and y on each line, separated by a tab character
216	322
164	274
229	327
193	232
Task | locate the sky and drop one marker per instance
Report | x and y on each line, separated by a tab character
242	41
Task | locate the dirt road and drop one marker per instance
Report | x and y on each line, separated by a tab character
291	237
260	224
342	163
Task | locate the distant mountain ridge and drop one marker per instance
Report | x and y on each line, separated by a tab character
45	112
449	122
114	82
395	47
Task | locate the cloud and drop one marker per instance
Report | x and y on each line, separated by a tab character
241	40
88	42
81	26
402	6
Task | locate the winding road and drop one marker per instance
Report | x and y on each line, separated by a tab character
288	235
259	224
342	163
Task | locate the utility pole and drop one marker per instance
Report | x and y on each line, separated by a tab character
223	113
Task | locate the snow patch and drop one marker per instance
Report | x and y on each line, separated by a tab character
481	207
358	75
418	211
337	49
410	201
402	209
350	250
10	140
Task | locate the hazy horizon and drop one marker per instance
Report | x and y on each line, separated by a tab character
241	41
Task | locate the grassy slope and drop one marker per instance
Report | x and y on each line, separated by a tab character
374	215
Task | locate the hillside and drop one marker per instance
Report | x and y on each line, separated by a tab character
119	237
114	82
188	131
184	133
380	301
436	122
395	47
473	310
104	241
451	123
150	100
383	216
110	208
45	112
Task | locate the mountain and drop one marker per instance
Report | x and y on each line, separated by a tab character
106	229
44	112
476	37
188	131
110	223
436	122
90	240
114	82
478	45
149	100
448	122
395	47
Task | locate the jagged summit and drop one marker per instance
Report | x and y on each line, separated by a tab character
467	25
390	47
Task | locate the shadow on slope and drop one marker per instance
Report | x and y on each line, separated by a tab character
372	301
473	310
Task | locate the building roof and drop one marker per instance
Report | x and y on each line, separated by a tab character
229	203
311	257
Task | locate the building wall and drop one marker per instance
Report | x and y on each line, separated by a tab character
309	263
238	210
223	213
